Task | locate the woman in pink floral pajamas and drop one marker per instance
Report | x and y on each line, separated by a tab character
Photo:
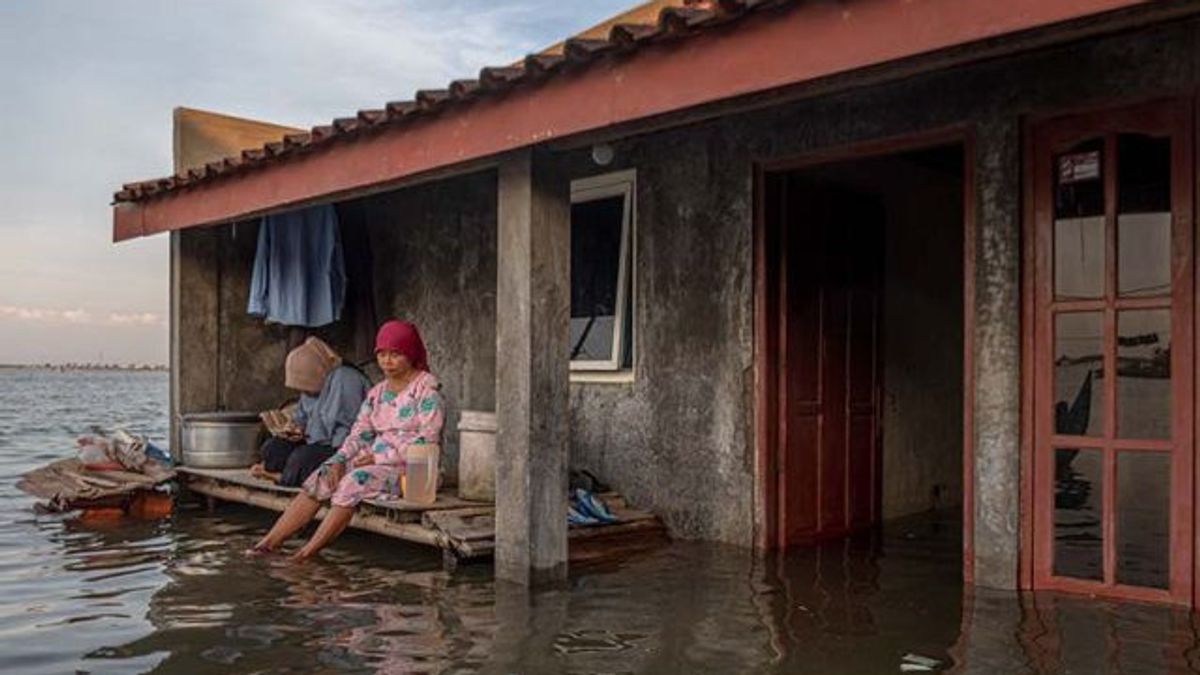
388	423
404	410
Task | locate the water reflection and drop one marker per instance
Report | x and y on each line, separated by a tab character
177	596
859	605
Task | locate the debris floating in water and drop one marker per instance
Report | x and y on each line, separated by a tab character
915	663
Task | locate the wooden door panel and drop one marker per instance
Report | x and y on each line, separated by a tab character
829	365
832	467
861	480
799	489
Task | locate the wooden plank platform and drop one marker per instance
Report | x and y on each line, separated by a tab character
464	530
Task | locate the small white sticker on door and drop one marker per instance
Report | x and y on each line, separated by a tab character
1078	167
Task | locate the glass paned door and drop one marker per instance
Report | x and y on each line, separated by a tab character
1113	344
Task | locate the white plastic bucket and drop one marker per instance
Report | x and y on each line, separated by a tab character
477	456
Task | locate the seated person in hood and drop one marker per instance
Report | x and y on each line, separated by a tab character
330	395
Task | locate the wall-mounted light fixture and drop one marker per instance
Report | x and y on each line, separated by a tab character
602	154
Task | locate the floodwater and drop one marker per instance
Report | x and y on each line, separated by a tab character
177	596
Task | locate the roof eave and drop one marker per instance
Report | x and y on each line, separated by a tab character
757	54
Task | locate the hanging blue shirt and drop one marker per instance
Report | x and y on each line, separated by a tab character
299	278
327	417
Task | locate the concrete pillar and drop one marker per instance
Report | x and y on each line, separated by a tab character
173	348
532	370
194	326
997	353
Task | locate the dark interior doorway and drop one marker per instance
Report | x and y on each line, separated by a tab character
864	300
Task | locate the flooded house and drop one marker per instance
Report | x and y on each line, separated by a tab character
778	271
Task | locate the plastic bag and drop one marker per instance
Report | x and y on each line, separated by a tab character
94	453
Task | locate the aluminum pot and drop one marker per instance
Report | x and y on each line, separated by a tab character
220	440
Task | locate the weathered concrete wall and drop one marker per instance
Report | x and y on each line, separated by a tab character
677	440
434	263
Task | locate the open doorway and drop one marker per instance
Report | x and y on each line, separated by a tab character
864	351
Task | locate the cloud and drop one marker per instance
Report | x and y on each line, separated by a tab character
49	315
137	319
45	314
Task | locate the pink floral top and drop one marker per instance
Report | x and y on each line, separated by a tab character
389	422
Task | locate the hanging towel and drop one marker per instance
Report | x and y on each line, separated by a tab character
299	276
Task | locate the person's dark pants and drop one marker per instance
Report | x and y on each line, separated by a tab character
293	461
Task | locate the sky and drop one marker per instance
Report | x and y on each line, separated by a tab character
85	104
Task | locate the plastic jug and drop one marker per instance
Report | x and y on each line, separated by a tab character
421	477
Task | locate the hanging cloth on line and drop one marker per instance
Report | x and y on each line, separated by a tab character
299	276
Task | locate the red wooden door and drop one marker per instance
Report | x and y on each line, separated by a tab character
831	243
1113	397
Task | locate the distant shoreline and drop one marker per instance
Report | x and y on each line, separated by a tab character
62	367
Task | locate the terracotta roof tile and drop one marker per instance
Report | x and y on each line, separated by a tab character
496	77
397	109
460	89
428	99
582	49
627	35
297	140
345	125
372	116
539	64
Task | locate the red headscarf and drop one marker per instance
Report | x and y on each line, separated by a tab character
403	337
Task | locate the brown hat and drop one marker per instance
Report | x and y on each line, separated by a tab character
308	365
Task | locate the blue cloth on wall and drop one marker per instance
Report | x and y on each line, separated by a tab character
299	277
327	417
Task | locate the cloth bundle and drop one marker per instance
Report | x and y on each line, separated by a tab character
122	451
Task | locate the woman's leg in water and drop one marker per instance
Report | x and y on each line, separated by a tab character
298	514
365	482
335	521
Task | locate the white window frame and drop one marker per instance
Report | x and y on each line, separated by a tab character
623	184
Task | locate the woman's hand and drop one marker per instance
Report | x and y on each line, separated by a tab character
365	458
337	471
293	432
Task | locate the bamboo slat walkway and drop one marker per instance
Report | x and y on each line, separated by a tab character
463	530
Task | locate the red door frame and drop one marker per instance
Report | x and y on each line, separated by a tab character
768	423
1055	132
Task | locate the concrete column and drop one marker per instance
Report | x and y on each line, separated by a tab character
997	353
195	329
173	348
532	370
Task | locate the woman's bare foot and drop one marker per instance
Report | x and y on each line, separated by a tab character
259	549
260	472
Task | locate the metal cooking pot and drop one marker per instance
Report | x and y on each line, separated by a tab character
220	440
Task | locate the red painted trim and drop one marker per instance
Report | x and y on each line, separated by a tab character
968	461
764	52
764	376
1028	279
1195	125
